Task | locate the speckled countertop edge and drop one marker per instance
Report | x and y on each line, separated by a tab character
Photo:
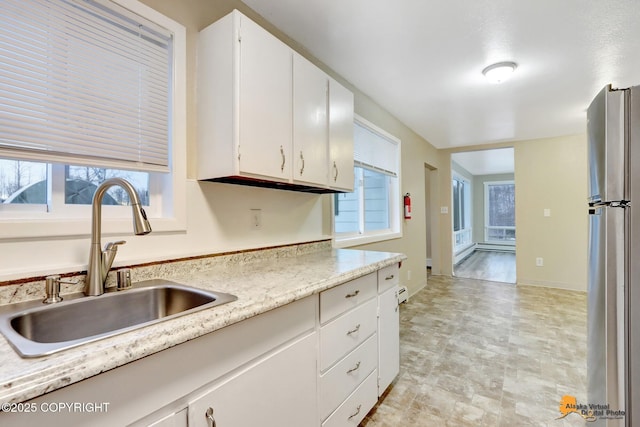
260	285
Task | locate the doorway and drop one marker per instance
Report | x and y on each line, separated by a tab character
483	215
431	219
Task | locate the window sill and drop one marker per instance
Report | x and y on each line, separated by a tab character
346	242
39	229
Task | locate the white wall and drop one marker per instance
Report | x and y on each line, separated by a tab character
218	220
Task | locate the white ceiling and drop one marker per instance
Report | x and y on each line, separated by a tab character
422	60
486	162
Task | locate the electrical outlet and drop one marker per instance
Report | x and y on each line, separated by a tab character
256	219
539	262
409	275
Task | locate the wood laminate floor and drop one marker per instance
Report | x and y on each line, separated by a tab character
488	265
476	353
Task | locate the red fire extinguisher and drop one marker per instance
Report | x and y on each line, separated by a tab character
407	206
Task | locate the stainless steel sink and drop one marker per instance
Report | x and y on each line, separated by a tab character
47	329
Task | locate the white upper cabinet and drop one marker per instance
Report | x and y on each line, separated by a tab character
265	103
266	115
340	137
244	101
310	122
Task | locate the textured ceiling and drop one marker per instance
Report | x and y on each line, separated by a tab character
422	60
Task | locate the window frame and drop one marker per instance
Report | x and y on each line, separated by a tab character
172	207
486	214
465	234
394	199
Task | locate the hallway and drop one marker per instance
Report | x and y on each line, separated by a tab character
494	355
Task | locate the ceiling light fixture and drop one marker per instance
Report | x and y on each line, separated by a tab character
497	73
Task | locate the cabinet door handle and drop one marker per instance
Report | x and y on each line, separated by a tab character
335	168
389	277
352	294
355	368
354	330
302	158
283	159
355	413
210	420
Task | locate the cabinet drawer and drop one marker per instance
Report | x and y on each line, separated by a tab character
341	380
388	277
356	407
335	301
346	332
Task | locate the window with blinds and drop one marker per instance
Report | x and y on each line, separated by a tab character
85	83
371	211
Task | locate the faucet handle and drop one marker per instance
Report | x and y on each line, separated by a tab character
114	245
109	254
52	288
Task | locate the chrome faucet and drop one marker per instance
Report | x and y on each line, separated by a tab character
100	261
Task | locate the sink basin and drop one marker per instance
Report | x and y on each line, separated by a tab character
46	329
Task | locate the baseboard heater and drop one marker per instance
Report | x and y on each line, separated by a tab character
403	294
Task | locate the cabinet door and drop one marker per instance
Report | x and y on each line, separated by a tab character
310	122
340	137
388	338
177	419
277	391
265	101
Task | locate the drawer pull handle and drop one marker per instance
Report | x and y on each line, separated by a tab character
210	420
355	368
356	413
354	330
352	294
390	277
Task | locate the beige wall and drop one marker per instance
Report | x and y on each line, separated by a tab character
550	173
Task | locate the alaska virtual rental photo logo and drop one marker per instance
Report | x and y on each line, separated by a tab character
590	412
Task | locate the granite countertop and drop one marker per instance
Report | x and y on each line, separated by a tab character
260	285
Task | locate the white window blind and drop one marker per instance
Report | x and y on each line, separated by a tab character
374	150
84	82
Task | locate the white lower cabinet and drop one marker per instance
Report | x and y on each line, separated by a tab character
275	392
338	382
389	338
348	352
388	326
357	405
176	419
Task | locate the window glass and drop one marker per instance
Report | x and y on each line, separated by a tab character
500	216
82	181
376	200
23	182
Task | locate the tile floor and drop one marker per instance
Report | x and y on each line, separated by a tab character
488	265
478	353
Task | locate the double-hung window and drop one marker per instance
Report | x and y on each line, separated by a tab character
372	211
89	90
500	212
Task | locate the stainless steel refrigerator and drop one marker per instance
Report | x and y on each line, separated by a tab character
613	324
